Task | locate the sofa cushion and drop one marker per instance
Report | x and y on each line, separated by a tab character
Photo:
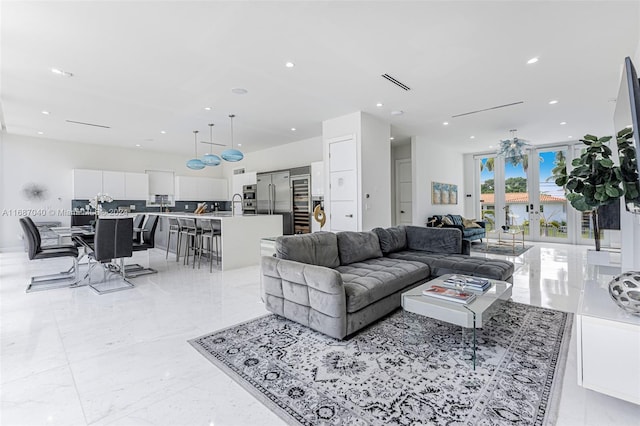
371	280
318	248
357	246
392	239
441	264
470	223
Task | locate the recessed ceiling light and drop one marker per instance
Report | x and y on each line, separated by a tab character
46	112
62	73
289	65
397	112
553	102
293	129
41	133
446	123
569	137
490	146
391	138
239	144
163	132
207	108
472	137
239	91
379	104
562	123
138	145
532	60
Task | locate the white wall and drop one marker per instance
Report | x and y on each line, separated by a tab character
49	163
433	161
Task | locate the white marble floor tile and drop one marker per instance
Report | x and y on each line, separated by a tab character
45	398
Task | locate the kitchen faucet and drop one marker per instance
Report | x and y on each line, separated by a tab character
233	201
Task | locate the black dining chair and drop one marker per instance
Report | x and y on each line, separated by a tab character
36	252
137	224
148	241
113	241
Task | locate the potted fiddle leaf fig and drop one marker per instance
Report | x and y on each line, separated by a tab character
595	180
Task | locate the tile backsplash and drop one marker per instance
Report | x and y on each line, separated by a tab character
140	206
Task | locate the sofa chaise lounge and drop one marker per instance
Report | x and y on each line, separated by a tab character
340	283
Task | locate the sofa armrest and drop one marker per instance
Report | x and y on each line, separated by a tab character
308	294
436	240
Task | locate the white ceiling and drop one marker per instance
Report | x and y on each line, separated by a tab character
143	67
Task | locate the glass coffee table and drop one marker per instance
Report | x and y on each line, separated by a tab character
509	237
468	316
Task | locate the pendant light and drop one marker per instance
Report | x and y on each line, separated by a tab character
513	150
232	154
211	160
195	163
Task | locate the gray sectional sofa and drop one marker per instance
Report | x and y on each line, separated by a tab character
340	283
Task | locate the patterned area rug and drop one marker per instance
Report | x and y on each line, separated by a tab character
507	250
405	369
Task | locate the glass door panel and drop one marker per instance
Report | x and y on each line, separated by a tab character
550	206
516	193
487	192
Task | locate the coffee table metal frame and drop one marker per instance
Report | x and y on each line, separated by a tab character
468	316
500	242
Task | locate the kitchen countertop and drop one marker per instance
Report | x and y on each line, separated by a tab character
213	215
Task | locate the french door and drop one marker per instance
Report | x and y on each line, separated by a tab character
521	193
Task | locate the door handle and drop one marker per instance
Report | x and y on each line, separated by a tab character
348	215
401	211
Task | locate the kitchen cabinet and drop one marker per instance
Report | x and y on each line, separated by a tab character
113	184
136	186
86	183
119	185
191	188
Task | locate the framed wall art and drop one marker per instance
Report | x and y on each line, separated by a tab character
444	193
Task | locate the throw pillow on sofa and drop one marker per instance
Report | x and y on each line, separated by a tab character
456	219
357	246
392	239
470	223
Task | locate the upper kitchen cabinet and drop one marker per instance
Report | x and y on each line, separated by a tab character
119	185
136	186
189	188
86	183
113	184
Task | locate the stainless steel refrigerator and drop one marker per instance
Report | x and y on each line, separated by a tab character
274	197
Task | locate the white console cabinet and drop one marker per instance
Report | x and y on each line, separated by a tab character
608	341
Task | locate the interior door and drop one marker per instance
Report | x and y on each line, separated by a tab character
404	202
343	185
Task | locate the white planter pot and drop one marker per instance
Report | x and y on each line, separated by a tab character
601	257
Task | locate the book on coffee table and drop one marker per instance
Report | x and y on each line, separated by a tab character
470	283
450	294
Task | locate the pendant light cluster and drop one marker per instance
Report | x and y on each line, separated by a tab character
212	160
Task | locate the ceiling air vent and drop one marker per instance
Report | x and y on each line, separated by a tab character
396	82
487	109
88	124
238	171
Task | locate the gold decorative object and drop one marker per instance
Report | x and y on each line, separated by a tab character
319	216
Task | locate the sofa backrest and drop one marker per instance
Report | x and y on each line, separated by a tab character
435	240
318	248
358	246
392	239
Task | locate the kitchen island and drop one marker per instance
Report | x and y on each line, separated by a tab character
240	235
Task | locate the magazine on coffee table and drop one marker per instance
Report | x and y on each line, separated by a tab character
450	294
